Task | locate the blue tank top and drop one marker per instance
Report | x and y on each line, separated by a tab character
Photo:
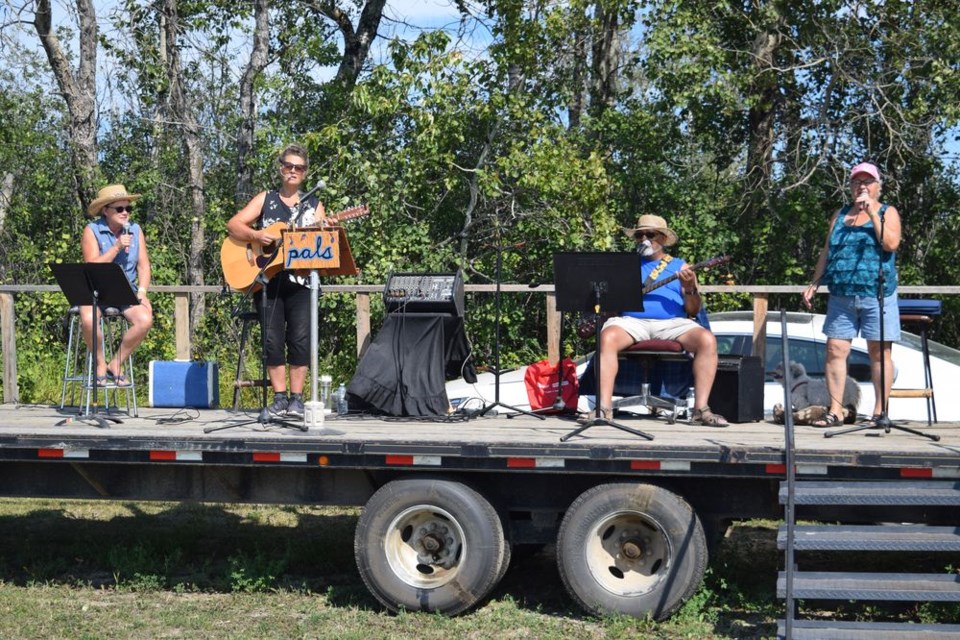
854	258
106	240
667	301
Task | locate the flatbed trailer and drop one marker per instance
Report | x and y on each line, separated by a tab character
446	501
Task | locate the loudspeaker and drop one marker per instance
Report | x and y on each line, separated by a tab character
737	392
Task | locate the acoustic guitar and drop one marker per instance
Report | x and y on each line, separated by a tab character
586	326
243	261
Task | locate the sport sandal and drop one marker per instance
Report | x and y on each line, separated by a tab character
708	418
829	419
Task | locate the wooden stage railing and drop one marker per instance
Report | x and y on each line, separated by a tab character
181	293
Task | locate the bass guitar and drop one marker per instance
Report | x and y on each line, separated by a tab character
586	326
243	262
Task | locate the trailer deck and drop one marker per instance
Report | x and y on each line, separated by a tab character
484	443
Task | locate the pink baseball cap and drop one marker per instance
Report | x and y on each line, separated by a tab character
866	167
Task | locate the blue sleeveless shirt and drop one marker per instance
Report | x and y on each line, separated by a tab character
106	240
854	259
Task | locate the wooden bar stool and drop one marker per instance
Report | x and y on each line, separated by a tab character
919	315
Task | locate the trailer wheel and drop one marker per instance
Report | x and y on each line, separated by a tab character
635	549
430	545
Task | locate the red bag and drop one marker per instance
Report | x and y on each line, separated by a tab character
542	383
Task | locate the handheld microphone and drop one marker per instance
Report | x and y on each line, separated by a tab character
320	185
126	228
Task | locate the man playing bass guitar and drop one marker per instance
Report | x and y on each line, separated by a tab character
286	296
666	316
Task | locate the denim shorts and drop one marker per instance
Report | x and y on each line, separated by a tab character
849	315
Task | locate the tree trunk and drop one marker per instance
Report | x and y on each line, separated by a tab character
183	113
79	92
248	101
6	195
762	119
606	59
356	41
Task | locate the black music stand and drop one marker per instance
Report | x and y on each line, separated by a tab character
596	283
94	283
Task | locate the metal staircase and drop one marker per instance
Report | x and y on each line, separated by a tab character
793	585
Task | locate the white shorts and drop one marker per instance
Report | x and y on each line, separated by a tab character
648	329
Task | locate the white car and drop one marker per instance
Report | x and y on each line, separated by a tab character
807	345
734	331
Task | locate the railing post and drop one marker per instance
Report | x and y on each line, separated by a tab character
760	303
553	329
181	325
363	322
8	342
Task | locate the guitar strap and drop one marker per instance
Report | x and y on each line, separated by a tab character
657	271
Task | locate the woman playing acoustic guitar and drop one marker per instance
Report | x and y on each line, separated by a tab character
286	296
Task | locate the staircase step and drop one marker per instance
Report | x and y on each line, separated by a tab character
871	538
830	585
857	630
919	493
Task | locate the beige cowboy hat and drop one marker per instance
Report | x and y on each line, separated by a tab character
650	222
110	193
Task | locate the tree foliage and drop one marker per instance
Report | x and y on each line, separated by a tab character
526	128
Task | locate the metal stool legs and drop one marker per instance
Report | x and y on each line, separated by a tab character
74	368
247	318
79	368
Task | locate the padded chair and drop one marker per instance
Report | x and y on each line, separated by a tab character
648	353
919	315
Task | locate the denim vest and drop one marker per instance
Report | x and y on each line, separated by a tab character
106	240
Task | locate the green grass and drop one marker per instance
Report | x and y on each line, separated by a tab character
84	569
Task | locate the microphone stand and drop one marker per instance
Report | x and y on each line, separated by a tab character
496	349
881	421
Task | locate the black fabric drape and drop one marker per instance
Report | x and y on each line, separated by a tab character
403	372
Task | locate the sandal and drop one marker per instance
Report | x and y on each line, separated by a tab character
606	413
708	418
829	419
118	379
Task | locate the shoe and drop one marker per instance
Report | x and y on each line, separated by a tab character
708	418
829	419
279	406
295	406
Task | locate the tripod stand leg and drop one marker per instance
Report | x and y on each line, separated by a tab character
609	423
886	429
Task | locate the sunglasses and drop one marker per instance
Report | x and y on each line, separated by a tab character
856	184
128	209
290	166
642	235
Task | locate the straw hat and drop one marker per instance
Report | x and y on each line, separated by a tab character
650	222
110	193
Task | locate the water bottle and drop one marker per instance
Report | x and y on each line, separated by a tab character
341	400
325	382
691	402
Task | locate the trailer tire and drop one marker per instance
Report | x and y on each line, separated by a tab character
635	549
430	545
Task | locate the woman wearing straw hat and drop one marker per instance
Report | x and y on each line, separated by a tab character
666	316
113	238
